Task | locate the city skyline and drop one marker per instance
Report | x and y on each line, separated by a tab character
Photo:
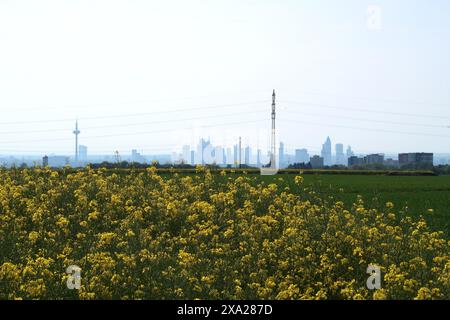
135	80
207	152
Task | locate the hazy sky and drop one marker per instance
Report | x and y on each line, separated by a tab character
154	75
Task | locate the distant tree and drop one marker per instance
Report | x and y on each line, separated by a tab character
300	166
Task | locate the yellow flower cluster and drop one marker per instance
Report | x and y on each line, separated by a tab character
140	235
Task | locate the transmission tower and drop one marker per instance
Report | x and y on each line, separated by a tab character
117	156
76	132
273	147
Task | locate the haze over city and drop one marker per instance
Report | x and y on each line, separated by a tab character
155	76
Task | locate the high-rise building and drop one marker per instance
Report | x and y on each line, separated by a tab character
349	152
326	152
340	156
355	161
229	156
201	151
208	154
192	159
316	162
258	158
218	155
186	154
301	156
282	160
58	161
415	158
240	152
235	154
248	154
82	153
374	159
137	157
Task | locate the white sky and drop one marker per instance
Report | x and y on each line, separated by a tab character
154	75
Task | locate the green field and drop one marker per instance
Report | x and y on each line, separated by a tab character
414	194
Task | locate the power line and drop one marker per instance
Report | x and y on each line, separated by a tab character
136	133
135	114
377	99
368	120
365	110
90	105
130	124
366	129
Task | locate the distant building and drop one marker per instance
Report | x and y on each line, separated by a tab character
186	154
415	158
192	159
340	156
82	153
208	156
326	152
282	160
374	159
236	154
369	159
58	161
391	163
301	156
355	161
229	156
202	153
349	152
218	155
136	157
247	155
317	162
258	158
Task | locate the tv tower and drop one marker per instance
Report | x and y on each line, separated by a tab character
76	132
273	148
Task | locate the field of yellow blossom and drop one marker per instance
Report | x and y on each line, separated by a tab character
208	236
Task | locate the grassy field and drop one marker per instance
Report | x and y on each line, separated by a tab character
414	194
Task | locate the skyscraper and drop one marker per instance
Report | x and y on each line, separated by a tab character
240	152
258	158
82	156
218	155
301	156
340	156
201	151
229	156
137	157
248	152
192	158
349	152
326	153
281	152
186	154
